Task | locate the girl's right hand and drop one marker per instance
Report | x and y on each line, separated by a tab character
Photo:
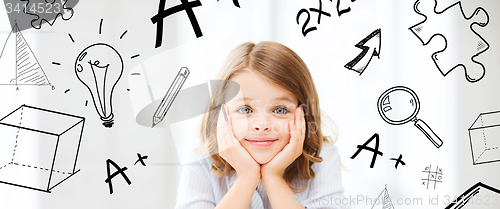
231	150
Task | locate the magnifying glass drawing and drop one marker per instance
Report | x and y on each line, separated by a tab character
399	105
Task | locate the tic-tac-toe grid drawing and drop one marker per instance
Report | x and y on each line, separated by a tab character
432	177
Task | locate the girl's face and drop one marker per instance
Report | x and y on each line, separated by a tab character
260	114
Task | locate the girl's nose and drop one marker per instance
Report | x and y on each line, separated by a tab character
259	127
261	124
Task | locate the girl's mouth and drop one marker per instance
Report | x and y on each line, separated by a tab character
261	142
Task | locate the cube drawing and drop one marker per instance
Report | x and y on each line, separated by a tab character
38	147
484	135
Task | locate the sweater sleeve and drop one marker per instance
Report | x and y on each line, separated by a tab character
195	187
326	190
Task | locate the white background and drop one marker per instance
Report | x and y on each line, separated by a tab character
449	105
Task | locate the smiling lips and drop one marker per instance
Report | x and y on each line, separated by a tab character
261	142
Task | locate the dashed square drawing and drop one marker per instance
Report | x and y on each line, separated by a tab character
484	135
38	147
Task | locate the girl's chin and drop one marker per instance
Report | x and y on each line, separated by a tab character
263	158
263	161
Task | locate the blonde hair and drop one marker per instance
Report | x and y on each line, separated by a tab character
279	65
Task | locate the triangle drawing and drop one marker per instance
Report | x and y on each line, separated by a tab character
18	63
386	200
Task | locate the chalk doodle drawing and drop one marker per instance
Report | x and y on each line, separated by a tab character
371	46
489	194
432	176
320	12
19	64
169	98
399	105
39	147
163	13
384	200
99	67
121	171
41	9
375	151
366	147
470	44
33	13
484	138
305	28
236	3
398	160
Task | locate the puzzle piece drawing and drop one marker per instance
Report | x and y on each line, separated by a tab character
461	49
48	11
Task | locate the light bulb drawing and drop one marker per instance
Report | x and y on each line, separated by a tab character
99	67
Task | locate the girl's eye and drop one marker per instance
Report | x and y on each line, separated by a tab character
281	110
244	110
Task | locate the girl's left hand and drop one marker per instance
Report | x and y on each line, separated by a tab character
297	127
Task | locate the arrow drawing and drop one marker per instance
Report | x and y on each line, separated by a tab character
371	43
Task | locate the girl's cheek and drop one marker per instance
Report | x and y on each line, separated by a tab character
281	126
240	127
277	127
285	133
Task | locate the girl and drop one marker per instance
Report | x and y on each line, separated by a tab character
268	143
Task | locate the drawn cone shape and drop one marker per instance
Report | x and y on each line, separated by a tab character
99	67
19	64
399	105
385	200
